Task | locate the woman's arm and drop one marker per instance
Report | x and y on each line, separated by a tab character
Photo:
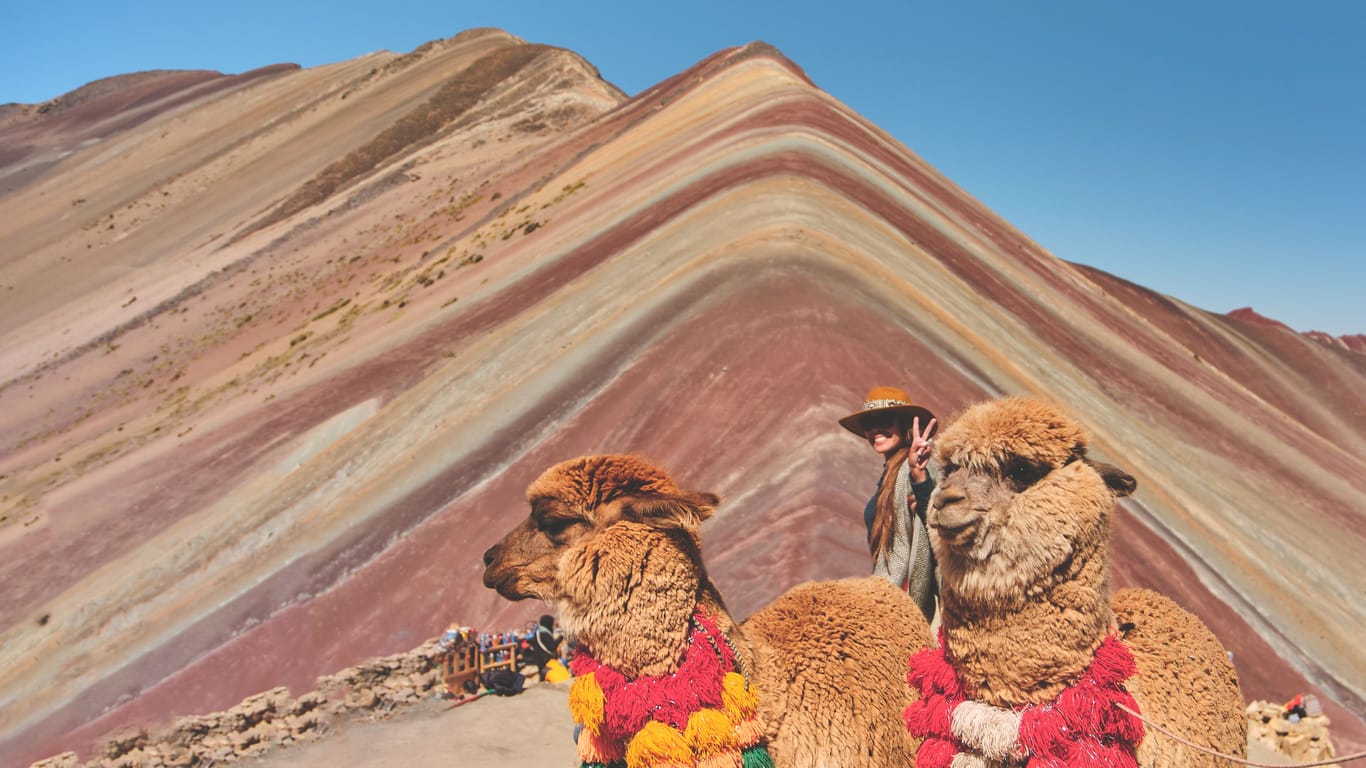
920	496
921	448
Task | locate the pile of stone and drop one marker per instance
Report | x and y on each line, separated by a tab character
1298	730
272	718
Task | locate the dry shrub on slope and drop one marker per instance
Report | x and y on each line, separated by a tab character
452	100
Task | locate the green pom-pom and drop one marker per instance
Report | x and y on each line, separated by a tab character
756	757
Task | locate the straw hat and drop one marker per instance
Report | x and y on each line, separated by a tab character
889	400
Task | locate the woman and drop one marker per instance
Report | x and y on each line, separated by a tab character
895	516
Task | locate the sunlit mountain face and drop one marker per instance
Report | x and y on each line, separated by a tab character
281	352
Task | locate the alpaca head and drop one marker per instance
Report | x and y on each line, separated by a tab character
1019	501
613	543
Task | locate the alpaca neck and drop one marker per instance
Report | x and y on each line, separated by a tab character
639	643
1027	652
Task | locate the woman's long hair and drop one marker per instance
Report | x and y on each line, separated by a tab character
888	506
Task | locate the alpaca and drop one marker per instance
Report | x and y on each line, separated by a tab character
1039	648
614	545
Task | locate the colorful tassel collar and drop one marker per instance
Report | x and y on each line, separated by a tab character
705	715
1081	727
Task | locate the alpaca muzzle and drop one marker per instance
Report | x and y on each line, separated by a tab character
954	522
497	577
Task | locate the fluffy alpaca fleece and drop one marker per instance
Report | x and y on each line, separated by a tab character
1182	669
613	543
1020	525
831	659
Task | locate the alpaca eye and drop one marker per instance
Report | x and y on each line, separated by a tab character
1022	473
556	526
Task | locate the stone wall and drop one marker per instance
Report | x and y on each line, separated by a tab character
1301	737
272	718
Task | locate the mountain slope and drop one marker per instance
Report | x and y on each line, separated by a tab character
271	391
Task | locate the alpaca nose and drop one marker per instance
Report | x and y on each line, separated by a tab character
946	495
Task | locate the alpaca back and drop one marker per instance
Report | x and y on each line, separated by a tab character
830	667
1184	681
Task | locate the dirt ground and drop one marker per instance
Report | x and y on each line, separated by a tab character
529	730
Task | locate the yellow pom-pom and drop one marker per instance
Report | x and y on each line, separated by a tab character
658	746
555	672
593	748
741	701
749	732
710	732
586	703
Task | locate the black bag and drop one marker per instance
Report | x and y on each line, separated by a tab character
503	682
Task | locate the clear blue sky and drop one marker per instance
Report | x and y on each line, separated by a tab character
1214	151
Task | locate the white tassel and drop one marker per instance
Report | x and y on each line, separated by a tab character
992	731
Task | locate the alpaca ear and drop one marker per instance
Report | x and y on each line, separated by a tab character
684	510
1119	481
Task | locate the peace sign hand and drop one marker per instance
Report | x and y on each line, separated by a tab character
921	446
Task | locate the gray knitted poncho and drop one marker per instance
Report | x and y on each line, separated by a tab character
909	560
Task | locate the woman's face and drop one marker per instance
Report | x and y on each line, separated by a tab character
884	432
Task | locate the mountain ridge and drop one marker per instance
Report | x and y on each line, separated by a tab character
350	408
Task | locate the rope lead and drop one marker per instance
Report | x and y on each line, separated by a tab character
1231	758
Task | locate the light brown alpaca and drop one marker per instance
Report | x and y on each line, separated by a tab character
1021	530
613	543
